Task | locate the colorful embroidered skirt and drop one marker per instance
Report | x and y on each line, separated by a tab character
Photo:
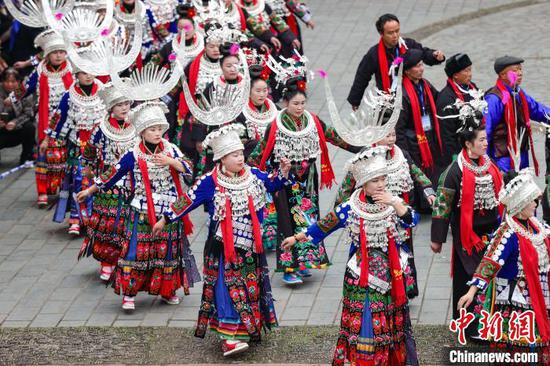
106	226
154	264
50	167
373	330
270	238
236	298
303	208
506	344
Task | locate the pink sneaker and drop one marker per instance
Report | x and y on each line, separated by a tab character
129	303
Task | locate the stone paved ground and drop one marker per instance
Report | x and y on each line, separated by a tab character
42	284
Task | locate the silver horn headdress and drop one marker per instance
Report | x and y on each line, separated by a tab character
225	102
366	126
150	82
122	50
81	24
31	13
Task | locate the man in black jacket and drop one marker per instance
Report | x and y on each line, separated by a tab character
417	129
459	72
378	63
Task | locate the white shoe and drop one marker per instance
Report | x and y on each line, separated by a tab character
106	272
233	347
174	300
128	303
74	229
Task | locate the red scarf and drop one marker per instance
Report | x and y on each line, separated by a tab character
530	260
383	64
242	19
44	98
511	121
151	215
468	237
194	69
327	174
425	153
227	224
397	284
457	91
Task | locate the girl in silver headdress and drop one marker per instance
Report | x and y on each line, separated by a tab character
159	263
110	140
375	327
467	200
402	174
236	297
79	111
513	273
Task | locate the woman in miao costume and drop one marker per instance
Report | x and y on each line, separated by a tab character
513	273
236	297
375	328
467	201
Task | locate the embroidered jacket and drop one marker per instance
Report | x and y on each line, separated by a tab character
205	191
163	188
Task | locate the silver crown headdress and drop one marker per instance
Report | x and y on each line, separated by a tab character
519	192
225	140
293	67
366	126
121	49
214	11
30	12
225	102
370	163
149	82
50	41
81	24
111	95
468	112
149	114
223	33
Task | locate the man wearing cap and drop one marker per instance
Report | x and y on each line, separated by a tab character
459	79
509	112
378	60
417	129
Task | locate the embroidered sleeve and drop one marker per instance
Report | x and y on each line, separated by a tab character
502	245
299	9
201	192
346	189
333	221
185	161
410	219
442	208
32	85
274	181
256	26
419	177
278	23
115	173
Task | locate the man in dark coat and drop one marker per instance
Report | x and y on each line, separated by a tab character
378	63
459	73
417	129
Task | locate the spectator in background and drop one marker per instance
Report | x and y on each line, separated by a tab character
16	116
